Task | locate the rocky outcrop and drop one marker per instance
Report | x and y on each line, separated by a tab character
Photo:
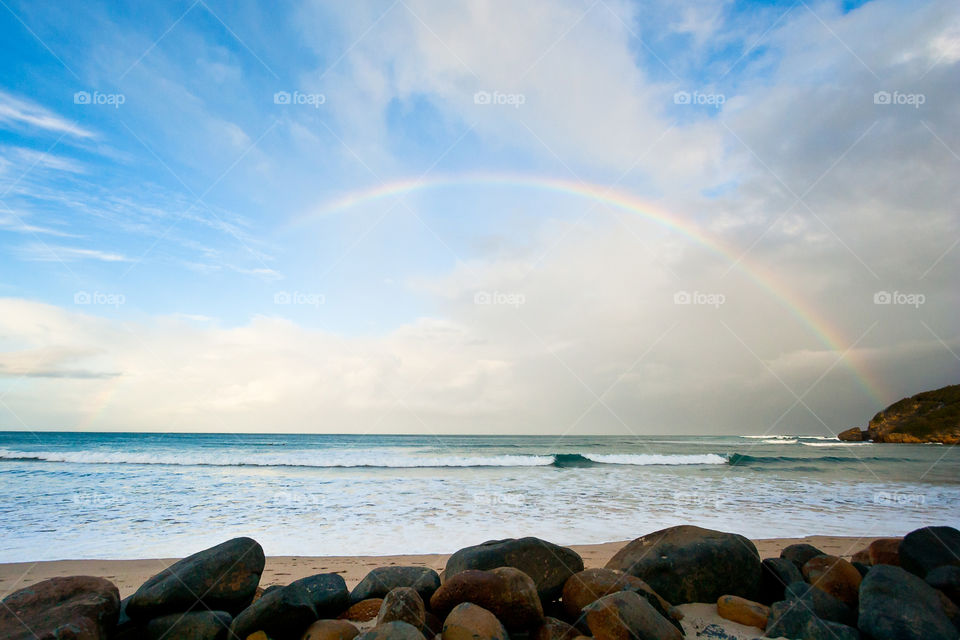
853	434
931	416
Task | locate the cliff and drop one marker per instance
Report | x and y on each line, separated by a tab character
931	416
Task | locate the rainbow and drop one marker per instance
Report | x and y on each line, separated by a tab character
800	309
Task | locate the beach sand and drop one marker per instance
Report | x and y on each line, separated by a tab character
128	575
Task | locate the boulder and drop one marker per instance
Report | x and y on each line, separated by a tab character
775	575
283	614
624	615
506	592
925	549
853	434
821	603
195	625
328	593
897	605
884	551
799	553
404	604
382	580
834	575
862	556
592	584
468	621
549	565
395	630
330	630
222	578
690	564
791	619
554	629
947	580
76	607
744	611
363	611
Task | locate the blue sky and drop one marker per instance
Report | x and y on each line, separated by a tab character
185	191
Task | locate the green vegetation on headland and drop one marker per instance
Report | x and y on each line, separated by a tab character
931	416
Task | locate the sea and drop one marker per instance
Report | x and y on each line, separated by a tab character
125	495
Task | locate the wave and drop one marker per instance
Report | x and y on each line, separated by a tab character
836	443
771	437
779	441
741	459
315	459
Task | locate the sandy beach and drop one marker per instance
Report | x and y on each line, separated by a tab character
128	575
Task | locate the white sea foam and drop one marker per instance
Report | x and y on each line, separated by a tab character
836	443
643	459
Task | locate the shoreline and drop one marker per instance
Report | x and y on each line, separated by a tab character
128	575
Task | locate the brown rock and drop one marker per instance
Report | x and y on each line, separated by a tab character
553	629
432	625
508	593
363	611
403	604
468	621
396	630
862	556
743	611
330	630
258	635
70	608
835	576
624	615
885	551
592	584
853	434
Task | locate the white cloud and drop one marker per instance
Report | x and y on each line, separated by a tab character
19	112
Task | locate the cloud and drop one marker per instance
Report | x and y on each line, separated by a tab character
41	252
18	112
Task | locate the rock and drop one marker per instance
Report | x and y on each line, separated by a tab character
554	629
330	630
624	615
743	611
468	621
897	605
432	625
258	635
862	556
834	575
506	592
549	565
382	580
798	554
775	575
947	580
690	564
395	630
222	578
821	603
884	551
195	625
283	614
931	416
791	619
592	584
862	568
404	604
328	593
925	549
70	608
363	611
853	434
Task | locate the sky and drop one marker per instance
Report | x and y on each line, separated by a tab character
556	217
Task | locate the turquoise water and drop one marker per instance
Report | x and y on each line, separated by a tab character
69	495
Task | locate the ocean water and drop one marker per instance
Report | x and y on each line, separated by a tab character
68	495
